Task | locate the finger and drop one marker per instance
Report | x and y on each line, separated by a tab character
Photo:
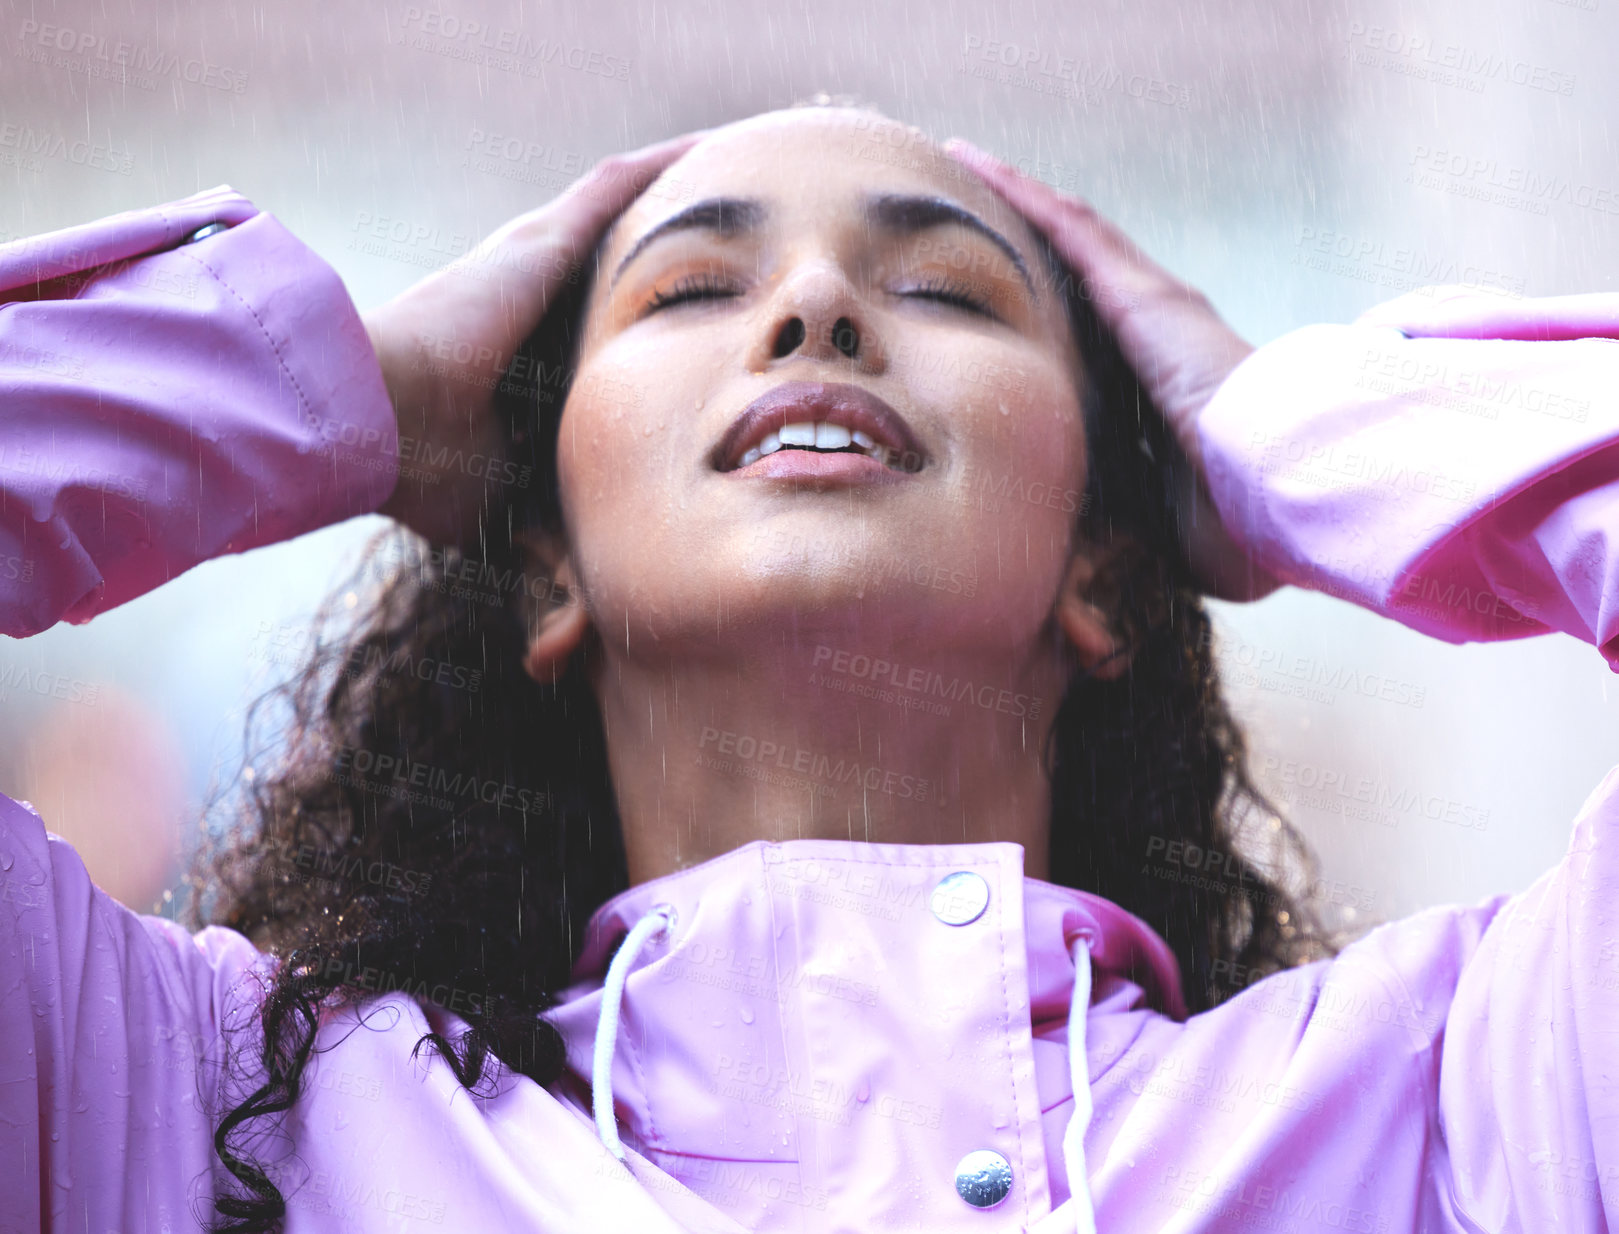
1120	276
576	219
602	193
527	259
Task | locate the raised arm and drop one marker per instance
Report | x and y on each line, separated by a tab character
164	402
1451	460
168	395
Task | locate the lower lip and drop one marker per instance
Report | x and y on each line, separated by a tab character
810	465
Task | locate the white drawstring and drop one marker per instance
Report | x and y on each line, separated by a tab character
660	918
1079	1075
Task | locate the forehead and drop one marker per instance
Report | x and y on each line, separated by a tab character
816	163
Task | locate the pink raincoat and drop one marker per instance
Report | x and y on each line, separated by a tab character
820	1035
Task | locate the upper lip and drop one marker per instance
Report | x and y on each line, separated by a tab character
794	402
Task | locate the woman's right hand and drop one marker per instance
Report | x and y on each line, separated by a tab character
1169	333
445	342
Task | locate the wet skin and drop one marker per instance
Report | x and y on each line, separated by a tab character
833	249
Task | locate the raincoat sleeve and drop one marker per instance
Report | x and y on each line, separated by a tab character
164	402
161	402
1451	460
111	1033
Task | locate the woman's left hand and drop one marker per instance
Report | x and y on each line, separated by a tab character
445	342
1169	333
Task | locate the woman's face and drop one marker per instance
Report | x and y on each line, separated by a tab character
830	268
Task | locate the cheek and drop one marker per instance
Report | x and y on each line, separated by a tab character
619	451
1018	449
635	404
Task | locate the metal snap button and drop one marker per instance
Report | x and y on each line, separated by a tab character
960	898
983	1178
202	233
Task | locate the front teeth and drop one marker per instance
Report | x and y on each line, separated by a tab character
819	434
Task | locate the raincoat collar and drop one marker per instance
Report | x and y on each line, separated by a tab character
812	1032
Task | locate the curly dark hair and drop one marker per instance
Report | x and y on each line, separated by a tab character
426	687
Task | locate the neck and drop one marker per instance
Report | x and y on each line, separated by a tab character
815	740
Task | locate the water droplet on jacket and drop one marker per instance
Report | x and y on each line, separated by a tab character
5	861
863	1093
747	1016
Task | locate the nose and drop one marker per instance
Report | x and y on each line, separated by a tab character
793	333
817	314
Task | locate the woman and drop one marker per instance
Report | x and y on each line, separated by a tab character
814	949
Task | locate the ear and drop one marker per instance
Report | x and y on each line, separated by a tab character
554	607
1083	618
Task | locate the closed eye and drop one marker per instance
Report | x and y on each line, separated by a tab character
693	287
949	291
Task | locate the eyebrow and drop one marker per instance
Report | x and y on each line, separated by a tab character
900	213
726	216
906	214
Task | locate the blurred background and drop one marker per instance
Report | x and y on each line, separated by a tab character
1299	162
